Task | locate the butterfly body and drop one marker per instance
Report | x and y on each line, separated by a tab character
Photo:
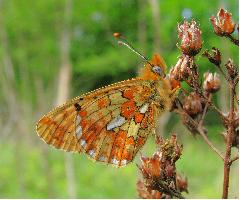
112	123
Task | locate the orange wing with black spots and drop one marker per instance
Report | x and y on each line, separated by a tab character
109	124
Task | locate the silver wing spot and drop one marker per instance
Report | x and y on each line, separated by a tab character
123	162
144	108
83	143
102	158
78	119
91	153
116	122
78	127
79	131
115	161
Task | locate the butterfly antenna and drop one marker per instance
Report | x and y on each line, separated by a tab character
123	41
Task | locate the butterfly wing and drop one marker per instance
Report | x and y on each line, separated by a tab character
109	124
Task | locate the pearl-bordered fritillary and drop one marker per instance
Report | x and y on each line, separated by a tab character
111	124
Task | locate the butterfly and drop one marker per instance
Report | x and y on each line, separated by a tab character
112	123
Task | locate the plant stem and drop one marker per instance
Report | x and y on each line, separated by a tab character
234	159
201	132
209	143
172	192
233	40
205	110
230	132
222	72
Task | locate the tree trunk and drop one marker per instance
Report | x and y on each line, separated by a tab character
63	89
142	25
156	24
163	120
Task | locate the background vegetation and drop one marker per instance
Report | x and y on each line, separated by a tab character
39	38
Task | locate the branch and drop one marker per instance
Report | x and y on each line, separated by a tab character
233	40
201	132
210	103
171	191
205	110
222	72
230	132
234	159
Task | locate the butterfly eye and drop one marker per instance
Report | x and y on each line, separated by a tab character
158	70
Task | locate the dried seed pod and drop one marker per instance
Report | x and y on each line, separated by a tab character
193	105
231	68
182	183
215	58
151	166
181	70
159	171
223	24
146	193
190	36
211	82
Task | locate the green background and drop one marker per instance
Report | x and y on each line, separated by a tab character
30	59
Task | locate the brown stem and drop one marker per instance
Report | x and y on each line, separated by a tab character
224	75
195	76
201	132
234	159
233	40
210	103
230	132
235	94
236	98
205	110
209	143
172	192
216	109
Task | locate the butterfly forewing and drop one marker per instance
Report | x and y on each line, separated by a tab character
110	124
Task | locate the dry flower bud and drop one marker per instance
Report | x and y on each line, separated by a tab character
215	58
151	166
226	122
159	171
190	36
171	151
232	71
182	184
211	82
170	170
235	122
235	138
181	70
193	105
146	193
223	24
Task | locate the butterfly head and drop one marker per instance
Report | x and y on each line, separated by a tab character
155	70
158	70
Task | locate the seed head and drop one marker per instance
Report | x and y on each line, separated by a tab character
215	57
223	24
231	68
211	82
190	36
181	70
193	105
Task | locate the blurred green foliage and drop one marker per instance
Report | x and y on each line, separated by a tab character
32	30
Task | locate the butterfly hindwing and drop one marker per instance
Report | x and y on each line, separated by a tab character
110	124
